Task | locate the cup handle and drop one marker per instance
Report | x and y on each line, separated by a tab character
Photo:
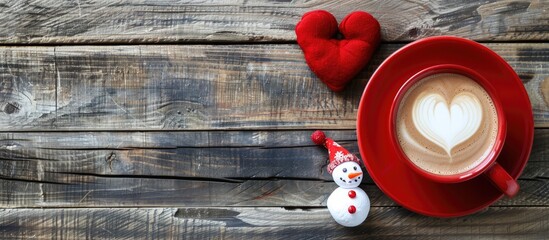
502	180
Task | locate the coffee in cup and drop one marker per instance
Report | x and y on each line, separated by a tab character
446	123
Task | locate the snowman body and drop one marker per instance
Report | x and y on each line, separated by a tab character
348	204
340	201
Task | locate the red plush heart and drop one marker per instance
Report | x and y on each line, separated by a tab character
337	61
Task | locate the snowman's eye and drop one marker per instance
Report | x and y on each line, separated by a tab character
345	170
354	167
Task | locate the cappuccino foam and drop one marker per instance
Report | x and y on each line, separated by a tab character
446	124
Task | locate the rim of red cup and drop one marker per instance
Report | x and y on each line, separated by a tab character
502	124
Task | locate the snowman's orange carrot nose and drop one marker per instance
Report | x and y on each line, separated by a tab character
354	175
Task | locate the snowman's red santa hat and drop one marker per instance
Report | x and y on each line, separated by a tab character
338	154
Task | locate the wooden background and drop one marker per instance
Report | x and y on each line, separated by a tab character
191	119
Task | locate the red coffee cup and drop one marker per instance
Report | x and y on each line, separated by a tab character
488	166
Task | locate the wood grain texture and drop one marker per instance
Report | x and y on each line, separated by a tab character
121	21
106	141
267	223
169	87
195	168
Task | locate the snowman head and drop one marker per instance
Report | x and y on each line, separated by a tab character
348	175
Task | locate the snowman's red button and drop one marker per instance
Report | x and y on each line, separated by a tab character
352	209
352	194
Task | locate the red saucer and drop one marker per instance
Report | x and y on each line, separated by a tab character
392	175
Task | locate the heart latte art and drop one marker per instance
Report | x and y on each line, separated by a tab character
446	124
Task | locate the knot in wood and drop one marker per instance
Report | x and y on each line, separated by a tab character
12	107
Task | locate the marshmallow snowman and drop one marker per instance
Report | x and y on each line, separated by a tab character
348	204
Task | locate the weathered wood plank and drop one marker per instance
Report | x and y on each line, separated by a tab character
217	168
105	21
192	154
83	190
200	154
267	223
199	87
